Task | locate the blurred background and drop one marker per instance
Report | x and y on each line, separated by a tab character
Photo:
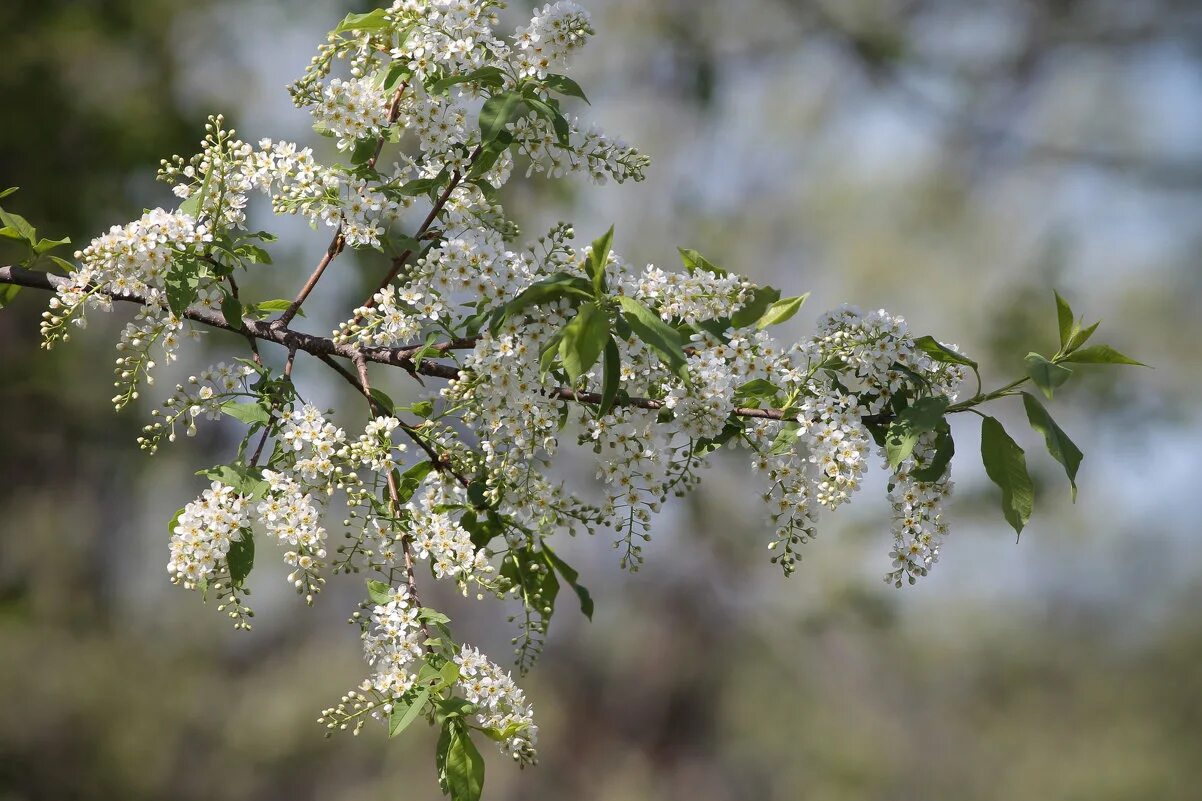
949	161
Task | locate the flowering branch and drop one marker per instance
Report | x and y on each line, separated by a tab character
538	349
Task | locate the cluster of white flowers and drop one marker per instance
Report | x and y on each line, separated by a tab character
307	432
692	297
554	32
204	532
202	394
500	704
352	110
591	152
832	429
393	645
375	449
290	514
918	527
443	541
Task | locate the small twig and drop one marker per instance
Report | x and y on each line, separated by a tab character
336	246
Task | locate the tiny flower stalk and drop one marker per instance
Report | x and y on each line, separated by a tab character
520	352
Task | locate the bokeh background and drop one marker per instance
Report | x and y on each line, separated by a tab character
950	161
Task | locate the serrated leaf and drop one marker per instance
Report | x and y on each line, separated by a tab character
583	339
403	713
1059	445
182	284
364	23
1046	375
411	479
1101	354
658	335
780	311
1007	467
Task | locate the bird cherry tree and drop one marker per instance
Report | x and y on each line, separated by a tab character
522	350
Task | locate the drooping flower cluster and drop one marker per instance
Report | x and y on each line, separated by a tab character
554	32
352	110
203	394
501	706
203	534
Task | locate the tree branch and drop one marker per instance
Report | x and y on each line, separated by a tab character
394	357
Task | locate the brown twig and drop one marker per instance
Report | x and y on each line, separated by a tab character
336	246
395	357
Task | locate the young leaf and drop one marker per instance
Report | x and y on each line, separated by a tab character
1059	445
598	258
231	310
1006	467
613	377
412	479
661	337
1101	354
553	287
1064	319
363	23
182	282
780	311
1080	336
583	339
403	714
1046	375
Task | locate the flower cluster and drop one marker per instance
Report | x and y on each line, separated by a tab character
501	706
554	32
290	514
201	540
352	110
203	394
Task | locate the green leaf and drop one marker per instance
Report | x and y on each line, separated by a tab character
383	401
786	438
241	558
403	714
583	339
1006	467
1080	337
551	288
231	310
268	307
570	575
496	114
245	480
925	414
193	204
248	412
1101	354
1059	445
757	389
460	766
694	261
612	377
487	76
6	192
45	245
422	408
755	307
780	311
552	114
7	293
661	337
565	86
411	479
19	227
379	592
945	449
364	23
1064	319
182	283
598	258
941	353
1046	375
